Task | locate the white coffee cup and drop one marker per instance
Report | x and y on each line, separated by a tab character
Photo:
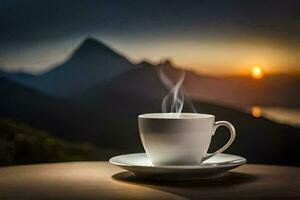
184	140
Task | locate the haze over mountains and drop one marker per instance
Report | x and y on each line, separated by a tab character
96	95
91	63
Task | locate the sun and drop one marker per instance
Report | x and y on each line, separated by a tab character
257	72
256	111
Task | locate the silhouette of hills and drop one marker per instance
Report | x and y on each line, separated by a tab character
240	92
44	112
104	93
91	63
140	91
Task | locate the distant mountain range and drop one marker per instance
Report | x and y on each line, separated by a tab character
44	112
97	94
91	63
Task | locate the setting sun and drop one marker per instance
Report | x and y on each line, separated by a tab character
257	72
256	111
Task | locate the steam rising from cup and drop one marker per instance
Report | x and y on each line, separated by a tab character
174	101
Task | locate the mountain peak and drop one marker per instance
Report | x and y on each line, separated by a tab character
145	63
92	46
167	62
92	41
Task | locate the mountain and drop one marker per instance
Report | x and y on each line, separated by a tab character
57	116
142	80
102	108
113	123
91	63
239	92
140	91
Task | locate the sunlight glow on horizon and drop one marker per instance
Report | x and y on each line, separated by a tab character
212	56
257	72
256	111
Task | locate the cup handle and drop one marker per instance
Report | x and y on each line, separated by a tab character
232	136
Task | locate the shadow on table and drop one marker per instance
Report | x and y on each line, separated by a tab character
188	188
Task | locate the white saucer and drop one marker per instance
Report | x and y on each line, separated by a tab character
141	167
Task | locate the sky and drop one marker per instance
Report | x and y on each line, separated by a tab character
208	36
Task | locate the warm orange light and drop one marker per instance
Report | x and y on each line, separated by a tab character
256	111
257	72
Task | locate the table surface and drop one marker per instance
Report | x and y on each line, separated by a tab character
101	180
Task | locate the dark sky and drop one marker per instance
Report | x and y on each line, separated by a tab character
36	34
